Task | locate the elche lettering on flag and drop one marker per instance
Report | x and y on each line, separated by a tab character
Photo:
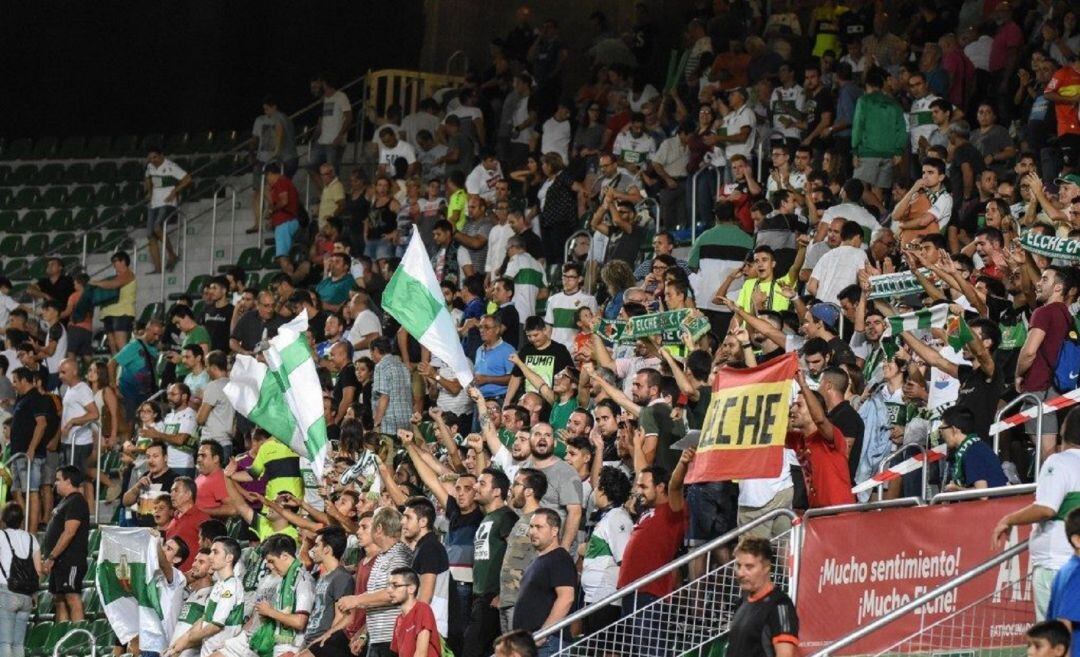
746	424
414	298
1050	246
283	395
669	324
899	284
127	562
922	319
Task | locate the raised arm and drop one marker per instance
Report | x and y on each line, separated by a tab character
675	487
532	377
427	475
616	394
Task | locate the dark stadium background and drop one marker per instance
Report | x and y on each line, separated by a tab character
86	68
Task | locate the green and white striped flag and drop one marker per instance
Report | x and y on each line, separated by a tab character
413	297
283	396
926	318
125	581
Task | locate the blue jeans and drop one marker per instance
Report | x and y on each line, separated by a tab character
283	237
646	627
379	248
14	616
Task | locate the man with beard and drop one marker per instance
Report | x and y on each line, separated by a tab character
489	550
529	487
199	583
564	493
605	416
652	407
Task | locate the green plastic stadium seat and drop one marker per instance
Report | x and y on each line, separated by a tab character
79	173
94	540
36	268
10	246
135	217
194	288
250	258
6	198
107	194
149	311
224	140
36	244
72	148
5	172
25	198
268	261
177	144
37	636
132	193
67	243
103	172
33	220
50	174
267	279
14	265
18	149
45	148
152	140
109	215
130	171
59	220
125	146
8	219
91	603
201	142
52	197
44	608
84	218
81	196
110	241
98	146
24	174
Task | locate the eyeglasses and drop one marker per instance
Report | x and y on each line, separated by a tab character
659	267
570	276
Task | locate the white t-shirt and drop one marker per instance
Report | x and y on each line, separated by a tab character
941	207
560	312
556	138
919	120
182	421
604	554
756	493
634	150
498	236
163	180
224	608
25	544
334	110
53	362
418	121
733	124
521	115
482	181
366	322
1058	486
852	212
529	276
836	270
388	155
787	103
171	599
76	399
7	304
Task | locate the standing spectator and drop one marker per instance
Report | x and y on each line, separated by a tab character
332	128
562	306
556	133
493	364
821	449
1062	91
255	326
155	483
164	180
878	135
28	436
492	488
218	314
716	253
833	387
397	158
430	561
78	420
1049	326
839	267
1057	484
558	210
473	237
332	199
212	496
273	139
1065	592
215	415
283	211
547	587
542	354
920	121
606	547
194	335
119	317
653	542
564	489
133	367
481	180
927	207
365	327
66	545
334	583
20	544
56	285
518	643
391	389
547	55
180	427
53	349
415	631
187	517
765	621
528	488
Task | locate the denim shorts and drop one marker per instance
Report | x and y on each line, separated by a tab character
283	237
155	217
18	474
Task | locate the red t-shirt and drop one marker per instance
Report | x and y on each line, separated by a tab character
653	543
1066	82
408	627
825	467
1053	319
1008	36
292	206
186	526
212	493
363	572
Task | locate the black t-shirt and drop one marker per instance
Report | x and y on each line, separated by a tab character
840	352
980	394
546	362
430	556
695	411
317	326
964	153
816	105
536	596
162	483
63	288
216	320
845	418
27	409
72	507
855	25
53	407
512	324
757	624
346	379
250	329
625	246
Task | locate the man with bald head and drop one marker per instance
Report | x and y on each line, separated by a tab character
75	423
332	201
818	249
256	325
564	493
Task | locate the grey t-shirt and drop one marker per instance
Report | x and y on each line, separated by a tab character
481	227
564	486
219	423
329	589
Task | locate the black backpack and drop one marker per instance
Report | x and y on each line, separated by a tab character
22	578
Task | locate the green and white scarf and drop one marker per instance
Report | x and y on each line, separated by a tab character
900	284
271	633
669	324
1050	246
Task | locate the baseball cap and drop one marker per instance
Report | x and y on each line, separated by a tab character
826	312
1069	179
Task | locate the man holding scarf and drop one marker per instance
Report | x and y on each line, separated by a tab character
972	462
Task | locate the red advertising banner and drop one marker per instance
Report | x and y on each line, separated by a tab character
746	425
857	567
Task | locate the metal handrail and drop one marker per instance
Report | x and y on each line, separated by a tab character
454	55
70	633
26	499
640	582
864	506
981	493
1027	396
925	477
936	592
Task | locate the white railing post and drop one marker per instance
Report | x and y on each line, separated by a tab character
213	230
1027	396
262	203
164	249
925	478
85	237
97	483
232	229
182	222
